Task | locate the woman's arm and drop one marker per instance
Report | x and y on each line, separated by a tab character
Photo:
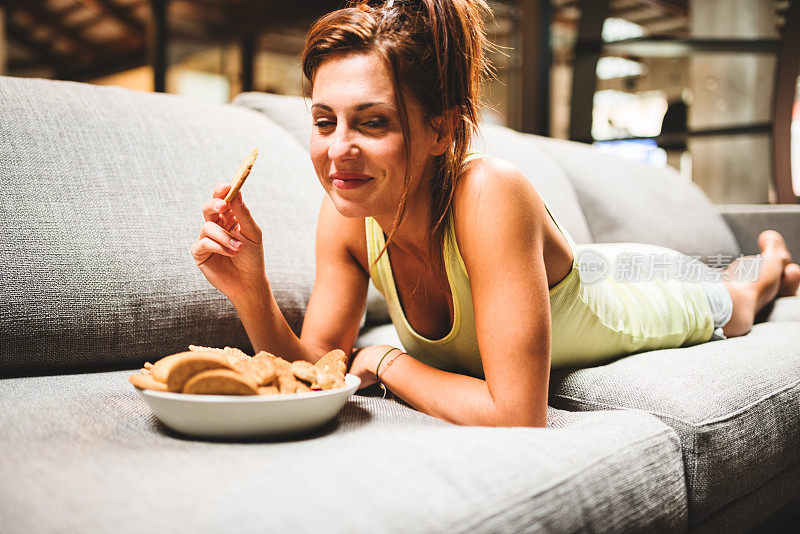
339	297
337	301
501	238
336	304
452	397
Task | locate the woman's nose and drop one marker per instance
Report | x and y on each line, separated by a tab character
342	144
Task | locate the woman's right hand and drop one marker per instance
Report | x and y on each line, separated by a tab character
229	251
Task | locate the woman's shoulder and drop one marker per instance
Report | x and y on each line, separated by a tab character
493	183
493	193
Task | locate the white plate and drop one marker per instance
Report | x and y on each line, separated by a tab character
247	416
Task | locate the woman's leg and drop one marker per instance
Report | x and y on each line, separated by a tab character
777	276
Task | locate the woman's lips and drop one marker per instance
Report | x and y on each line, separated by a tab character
342	180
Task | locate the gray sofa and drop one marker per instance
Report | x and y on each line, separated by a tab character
101	196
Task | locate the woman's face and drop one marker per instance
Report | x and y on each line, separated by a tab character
357	142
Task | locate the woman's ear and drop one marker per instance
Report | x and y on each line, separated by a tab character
444	127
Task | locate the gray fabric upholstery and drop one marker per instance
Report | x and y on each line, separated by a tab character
293	113
781	309
101	197
748	220
746	513
735	403
383	334
102	190
611	192
83	453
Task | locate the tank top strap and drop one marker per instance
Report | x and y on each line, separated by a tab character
474	155
563	230
375	243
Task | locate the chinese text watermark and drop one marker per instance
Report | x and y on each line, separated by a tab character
640	267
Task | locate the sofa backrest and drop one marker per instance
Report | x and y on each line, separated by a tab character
102	190
626	201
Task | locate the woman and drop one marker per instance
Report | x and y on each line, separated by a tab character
482	282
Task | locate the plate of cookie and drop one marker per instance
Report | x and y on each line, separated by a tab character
226	393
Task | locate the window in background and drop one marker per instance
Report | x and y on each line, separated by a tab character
643	150
618	114
616	29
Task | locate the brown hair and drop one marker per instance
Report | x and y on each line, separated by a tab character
435	52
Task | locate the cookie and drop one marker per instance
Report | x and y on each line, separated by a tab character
260	370
327	378
304	370
162	367
220	382
241	175
287	383
147	382
185	368
230	371
233	353
269	390
335	359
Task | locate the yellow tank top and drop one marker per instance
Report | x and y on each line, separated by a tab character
590	322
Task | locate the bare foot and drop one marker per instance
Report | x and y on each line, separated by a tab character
790	281
771	242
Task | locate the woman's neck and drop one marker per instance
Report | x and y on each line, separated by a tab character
413	233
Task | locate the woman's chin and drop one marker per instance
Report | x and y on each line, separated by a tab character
349	208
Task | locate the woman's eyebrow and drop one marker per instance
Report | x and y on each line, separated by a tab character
360	107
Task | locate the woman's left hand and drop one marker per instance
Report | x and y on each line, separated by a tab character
366	360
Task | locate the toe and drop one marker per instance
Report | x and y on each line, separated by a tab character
790	281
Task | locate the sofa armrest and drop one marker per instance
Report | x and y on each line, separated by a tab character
748	220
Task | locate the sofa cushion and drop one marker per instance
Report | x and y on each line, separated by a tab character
768	501
102	190
626	201
382	334
780	309
83	453
293	113
735	404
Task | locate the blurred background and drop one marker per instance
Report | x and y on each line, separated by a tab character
709	87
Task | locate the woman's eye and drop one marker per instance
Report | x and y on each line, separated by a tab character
323	124
376	123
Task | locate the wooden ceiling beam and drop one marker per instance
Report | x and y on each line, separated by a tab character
104	66
659	19
669	7
254	17
46	18
91	21
39	49
120	14
16	65
69	10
